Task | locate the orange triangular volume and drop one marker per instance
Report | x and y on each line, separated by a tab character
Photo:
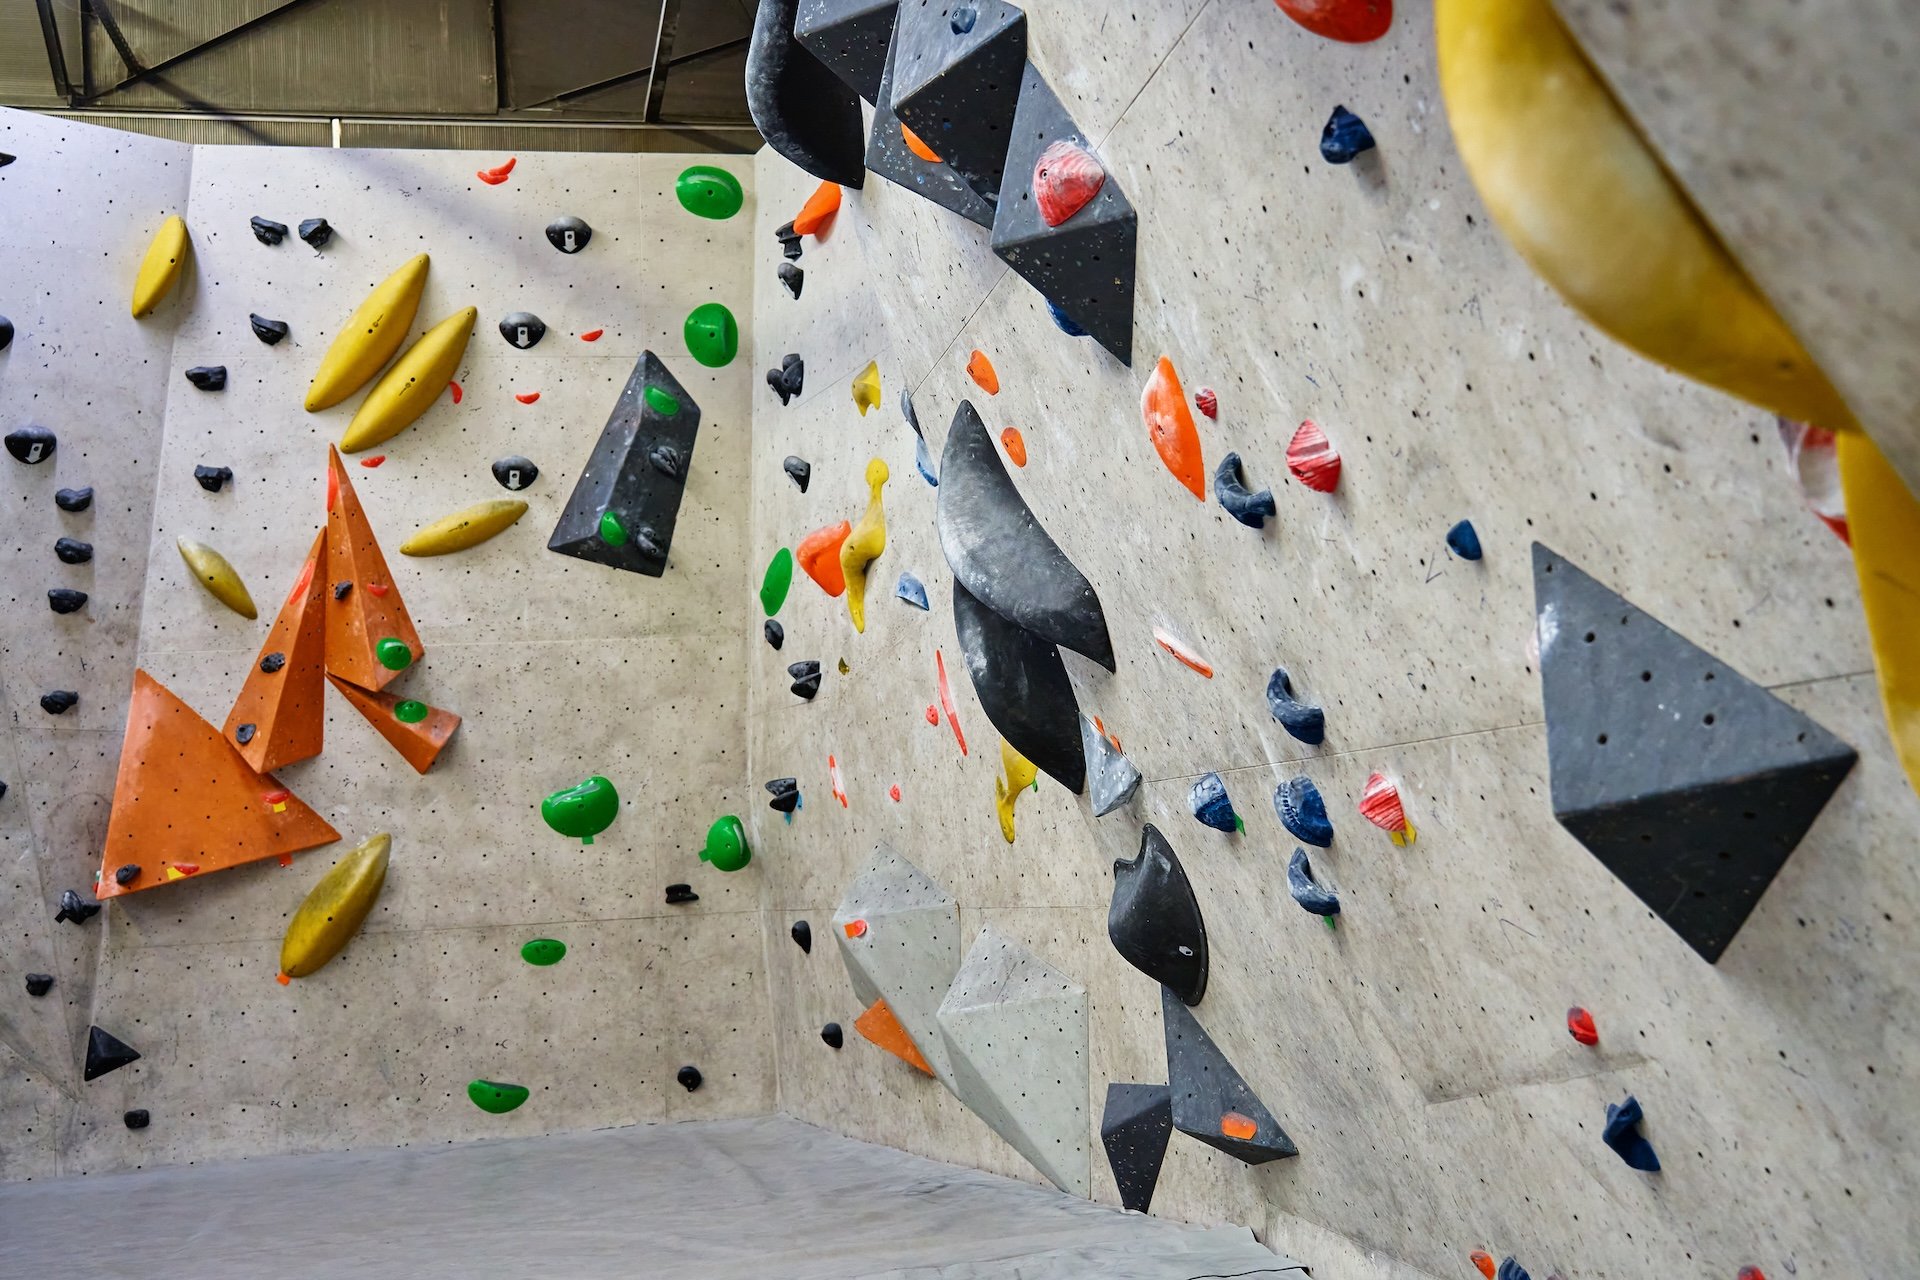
420	740
281	712
369	609
185	802
880	1026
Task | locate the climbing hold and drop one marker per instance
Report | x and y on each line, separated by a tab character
980	369
845	670
1302	811
1623	1135
789	240
903	157
775	634
820	556
790	378
267	231
911	590
166	255
1134	1129
1016	446
726	848
59	701
806	678
1581	1027
688	1077
66	600
1813	459
946	700
1066	178
804	109
778	578
106	1052
212	571
1463	541
212	479
1511	1270
680	895
75	909
1206	1089
1208	801
1751	1273
817	214
1250	509
453	389
1023	687
543	951
498	174
466	528
65	499
1018	773
802	934
1111	777
36	444
1064	322
1345	136
882	1028
515	472
662	402
864	545
866	388
244	734
666	459
316	232
6	333
1380	805
208	377
1884	524
1170	423
899	935
393	653
707	191
833	1036
711	335
583	810
954	77
1185	654
527	397
268	331
334	908
1154	920
593	335
786	795
568	234
1312	458
127	874
497	1098
964	16
287	712
1352	21
523	329
1207	401
38	984
793	279
1311	896
1303	720
833	773
1483	1262
370	336
918	146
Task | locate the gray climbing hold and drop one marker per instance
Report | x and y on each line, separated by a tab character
958	91
59	701
904	949
1154	920
127	873
803	110
267	231
316	232
38	984
786	794
273	662
1208	801
776	635
789	241
1211	1100
1111	777
1023	687
66	600
911	590
806	678
208	377
666	459
268	331
1134	1129
75	909
798	470
569	234
212	479
889	156
832	1035
72	550
793	279
1622	1134
515	472
73	499
33	445
106	1052
1303	720
1250	509
1306	891
522	329
850	38
789	379
1303	812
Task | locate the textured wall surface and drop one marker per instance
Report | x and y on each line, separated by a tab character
1418	1055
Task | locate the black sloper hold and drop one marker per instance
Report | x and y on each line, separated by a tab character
137	1118
267	231
38	984
689	1078
273	662
786	795
522	329
31	444
73	551
127	874
212	479
316	232
1154	920
775	633
832	1034
73	499
515	472
58	702
268	331
806	678
569	234
798	470
803	935
679	893
6	332
208	377
66	600
804	111
793	278
75	908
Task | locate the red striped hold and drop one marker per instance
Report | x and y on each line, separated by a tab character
1207	402
1312	458
1380	805
1066	178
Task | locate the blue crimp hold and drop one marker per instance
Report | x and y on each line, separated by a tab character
1345	137
1511	1270
1302	812
1314	898
912	591
1304	721
1623	1135
1210	804
1463	541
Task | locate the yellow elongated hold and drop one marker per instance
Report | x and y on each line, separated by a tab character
410	388
335	908
370	336
1020	773
866	388
1883	520
218	576
463	529
166	255
1568	177
864	545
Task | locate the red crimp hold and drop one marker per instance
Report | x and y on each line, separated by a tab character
1207	401
1066	178
946	700
894	792
458	394
498	174
526	397
1751	1273
374	461
933	716
592	335
1380	805
1312	458
378	589
1580	1026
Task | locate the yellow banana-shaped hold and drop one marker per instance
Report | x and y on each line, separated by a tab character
161	267
335	909
409	388
864	545
370	336
463	529
1566	174
1021	773
1883	522
866	388
220	578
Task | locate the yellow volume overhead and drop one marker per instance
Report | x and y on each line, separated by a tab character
1567	176
463	529
166	255
416	380
370	336
335	908
1883	522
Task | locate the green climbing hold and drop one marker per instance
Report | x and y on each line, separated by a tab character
497	1098
727	845
393	654
773	587
707	192
584	810
662	401
712	336
612	532
410	711
543	951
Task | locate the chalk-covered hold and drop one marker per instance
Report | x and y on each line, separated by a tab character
1211	805
798	470
1303	812
1310	895
1303	720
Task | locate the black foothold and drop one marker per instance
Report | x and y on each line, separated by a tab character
66	600
666	460
208	377
793	278
341	590
106	1053
689	1078
569	234
679	893
268	331
1345	136
6	328
6	159
59	701
523	329
316	232
790	378
1134	1129
31	444
1154	919
212	479
1205	1088
802	933
775	633
798	470
1249	508
244	734
273	662
267	231
832	1034
806	678
137	1118
73	499
786	795
127	873
38	984
74	908
1303	720
789	241
73	551
515	472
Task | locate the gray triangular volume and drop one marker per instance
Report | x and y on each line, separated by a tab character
904	949
850	37
1211	1101
957	82
106	1052
632	474
889	156
1688	781
800	107
1085	265
1134	1129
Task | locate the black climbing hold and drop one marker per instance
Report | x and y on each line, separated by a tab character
6	327
74	908
680	893
1023	687
1134	1129
806	678
1511	1270
666	460
515	472
789	240
342	589
793	278
268	331
267	231
72	550
31	445
619	478
1154	920
6	159
208	377
1345	136
1209	803
964	16
786	795
127	873
832	1034
689	1078
798	470
569	234
212	479
244	734
316	232
959	90
789	379
66	600
3	791
1302	811
1463	541
137	1118
1086	264
273	662
1689	782
59	701
1306	891
775	633
38	984
1211	1100
1303	720
106	1053
803	110
802	933
1250	509
850	38
523	329
1623	1135
73	499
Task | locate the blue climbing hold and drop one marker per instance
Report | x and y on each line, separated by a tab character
1321	901
1345	137
1210	804
1623	1135
1304	721
963	19
1250	509
912	591
1302	812
1463	541
924	461
1511	1270
1065	322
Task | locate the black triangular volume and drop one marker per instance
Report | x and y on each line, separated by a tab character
1024	689
1688	781
1134	1129
889	156
956	83
106	1053
1211	1101
632	475
800	107
1154	920
850	37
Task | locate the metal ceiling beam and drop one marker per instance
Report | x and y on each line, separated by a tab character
662	58
56	59
644	73
104	16
205	46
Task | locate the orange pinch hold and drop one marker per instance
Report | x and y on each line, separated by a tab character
418	741
526	397
359	618
1178	648
817	213
1483	1260
184	796
980	369
879	1025
1235	1125
1016	446
819	555
1170	422
592	335
280	716
458	394
916	145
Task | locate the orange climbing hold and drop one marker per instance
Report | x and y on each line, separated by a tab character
980	369
839	786
893	792
854	928
281	710
880	1026
1188	657
592	335
1015	445
362	609
1351	21
526	397
1483	1260
1380	805
1312	458
1751	1273
819	555
414	729
918	147
1235	1125
498	174
817	213
1164	405
374	461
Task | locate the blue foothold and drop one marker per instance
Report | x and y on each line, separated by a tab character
912	591
1250	509
1511	1270
1065	322
1210	804
1345	137
1304	721
1312	897
924	461
1623	1135
1303	812
1463	541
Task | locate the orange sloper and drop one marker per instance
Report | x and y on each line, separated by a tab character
880	1026
286	707
372	609
186	798
420	742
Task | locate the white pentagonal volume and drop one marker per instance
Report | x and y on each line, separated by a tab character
899	934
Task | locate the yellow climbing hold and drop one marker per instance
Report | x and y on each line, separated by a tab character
864	545
161	267
1883	520
370	336
1566	174
463	529
866	388
1021	773
409	388
334	909
220	578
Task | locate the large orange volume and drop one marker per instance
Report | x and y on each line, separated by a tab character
363	604
1164	405
879	1025
185	802
416	730
281	713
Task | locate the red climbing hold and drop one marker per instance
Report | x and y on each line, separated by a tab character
526	397
933	717
1751	1273
1580	1026
1015	445
946	701
379	589
458	394
817	213
374	461
819	555
894	792
1352	21
1066	178
1164	405
839	787
286	859
592	335
498	174
1483	1260
1312	458
1380	805
1207	402
980	369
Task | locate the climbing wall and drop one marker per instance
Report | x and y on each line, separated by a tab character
1417	1052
